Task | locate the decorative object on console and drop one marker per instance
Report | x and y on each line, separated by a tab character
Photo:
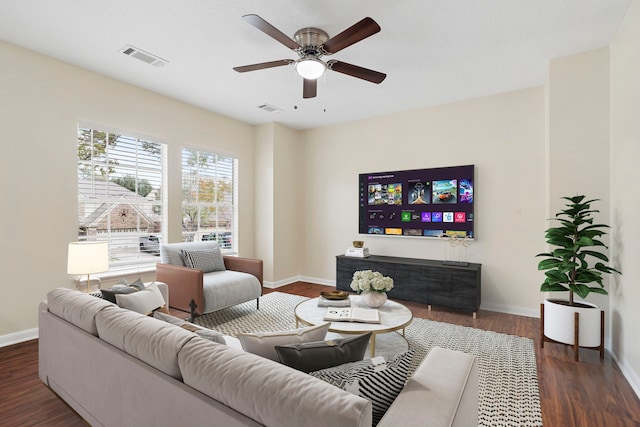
357	252
372	285
568	268
88	258
358	243
456	244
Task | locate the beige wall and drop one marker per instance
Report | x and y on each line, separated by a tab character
625	176
41	102
289	205
503	135
578	140
278	203
263	190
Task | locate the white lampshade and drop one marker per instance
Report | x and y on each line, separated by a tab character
87	257
310	68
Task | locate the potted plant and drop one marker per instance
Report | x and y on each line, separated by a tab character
575	265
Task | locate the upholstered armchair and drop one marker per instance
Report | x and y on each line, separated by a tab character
201	280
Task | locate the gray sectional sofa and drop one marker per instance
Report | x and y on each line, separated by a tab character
116	367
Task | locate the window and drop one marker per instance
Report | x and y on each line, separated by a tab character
208	198
120	186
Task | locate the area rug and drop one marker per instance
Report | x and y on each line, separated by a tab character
508	380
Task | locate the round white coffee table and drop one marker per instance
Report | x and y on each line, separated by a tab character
393	317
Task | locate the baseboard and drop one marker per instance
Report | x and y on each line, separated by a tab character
290	280
629	373
509	309
18	337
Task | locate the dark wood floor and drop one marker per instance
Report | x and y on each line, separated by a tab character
588	393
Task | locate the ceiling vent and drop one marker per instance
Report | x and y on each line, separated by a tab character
270	108
147	57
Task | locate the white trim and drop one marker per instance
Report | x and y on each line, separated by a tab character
18	337
290	280
510	309
627	370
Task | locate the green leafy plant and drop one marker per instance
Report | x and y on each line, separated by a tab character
570	267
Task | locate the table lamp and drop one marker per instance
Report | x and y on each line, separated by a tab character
87	258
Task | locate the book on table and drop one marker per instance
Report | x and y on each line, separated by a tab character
352	314
325	302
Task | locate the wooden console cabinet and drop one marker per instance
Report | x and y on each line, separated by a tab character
425	281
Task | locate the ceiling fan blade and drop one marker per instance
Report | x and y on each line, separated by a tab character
355	71
263	65
271	31
358	31
310	88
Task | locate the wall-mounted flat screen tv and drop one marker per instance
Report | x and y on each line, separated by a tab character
420	202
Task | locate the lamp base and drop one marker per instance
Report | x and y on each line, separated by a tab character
81	284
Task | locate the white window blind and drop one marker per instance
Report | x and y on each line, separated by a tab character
208	198
120	199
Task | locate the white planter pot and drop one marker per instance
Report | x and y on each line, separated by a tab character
374	299
559	323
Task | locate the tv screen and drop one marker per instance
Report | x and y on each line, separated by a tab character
420	202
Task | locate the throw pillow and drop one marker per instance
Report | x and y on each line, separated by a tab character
264	343
144	302
207	260
378	380
138	284
209	334
110	294
313	356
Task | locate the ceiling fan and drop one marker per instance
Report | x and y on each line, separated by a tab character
311	44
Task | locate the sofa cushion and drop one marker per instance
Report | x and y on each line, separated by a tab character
264	343
153	341
313	356
223	289
144	302
76	307
379	380
207	260
171	253
268	392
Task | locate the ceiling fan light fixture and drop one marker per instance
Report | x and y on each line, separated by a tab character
310	68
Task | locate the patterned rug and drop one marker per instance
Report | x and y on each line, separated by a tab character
508	381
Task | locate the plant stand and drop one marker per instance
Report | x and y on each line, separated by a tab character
576	341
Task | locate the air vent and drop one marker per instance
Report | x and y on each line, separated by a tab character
270	108
143	56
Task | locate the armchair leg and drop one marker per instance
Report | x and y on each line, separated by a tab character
258	303
193	306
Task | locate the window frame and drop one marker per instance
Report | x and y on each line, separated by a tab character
141	217
197	233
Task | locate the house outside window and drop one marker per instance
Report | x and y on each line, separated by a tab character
208	198
120	196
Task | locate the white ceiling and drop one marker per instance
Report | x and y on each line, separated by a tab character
433	51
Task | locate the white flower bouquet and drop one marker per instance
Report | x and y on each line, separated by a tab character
367	280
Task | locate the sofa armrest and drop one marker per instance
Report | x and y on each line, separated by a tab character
245	265
444	387
184	283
